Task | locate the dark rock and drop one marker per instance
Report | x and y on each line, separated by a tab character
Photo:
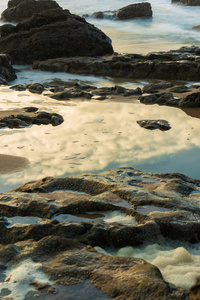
132	11
30	109
179	89
155	124
19	10
22	120
18	87
7	72
53	33
188	2
98	15
191	100
35	87
155	87
181	64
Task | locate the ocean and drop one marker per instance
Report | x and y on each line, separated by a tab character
170	27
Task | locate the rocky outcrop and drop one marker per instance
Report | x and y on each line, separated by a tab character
7	73
188	2
132	11
19	10
163	125
182	64
72	215
52	33
25	120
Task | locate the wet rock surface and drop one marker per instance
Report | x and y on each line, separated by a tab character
27	119
181	64
52	33
7	72
132	11
65	249
138	10
163	125
187	2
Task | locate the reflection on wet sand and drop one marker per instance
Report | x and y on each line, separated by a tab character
99	135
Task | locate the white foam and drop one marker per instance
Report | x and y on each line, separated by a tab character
118	217
179	265
19	278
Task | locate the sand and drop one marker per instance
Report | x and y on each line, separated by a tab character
12	164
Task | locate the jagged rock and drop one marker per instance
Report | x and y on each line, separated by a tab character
136	10
53	33
154	124
19	10
181	64
7	72
64	247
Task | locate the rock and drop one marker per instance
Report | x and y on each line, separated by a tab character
71	93
178	64
163	125
35	87
98	15
53	33
191	100
194	293
155	87
7	72
19	10
23	120
64	249
188	2
132	11
179	89
160	98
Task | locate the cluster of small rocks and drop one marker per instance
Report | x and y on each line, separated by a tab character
25	120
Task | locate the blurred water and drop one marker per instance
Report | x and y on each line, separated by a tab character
171	25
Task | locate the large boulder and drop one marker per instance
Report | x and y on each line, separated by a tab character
136	10
7	72
19	10
50	34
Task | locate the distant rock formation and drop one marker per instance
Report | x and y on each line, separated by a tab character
187	2
52	33
137	10
132	11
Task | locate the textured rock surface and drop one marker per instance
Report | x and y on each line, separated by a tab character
53	33
64	248
25	120
19	10
163	125
137	10
7	72
182	64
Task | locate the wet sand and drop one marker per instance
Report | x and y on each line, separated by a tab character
12	164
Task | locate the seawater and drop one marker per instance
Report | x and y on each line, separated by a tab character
170	27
